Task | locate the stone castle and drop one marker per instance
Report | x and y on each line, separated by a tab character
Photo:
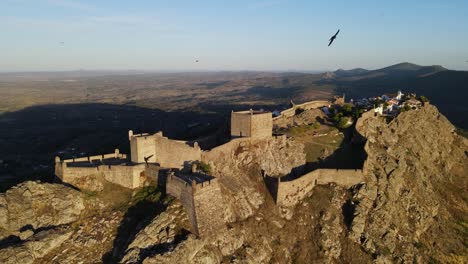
172	165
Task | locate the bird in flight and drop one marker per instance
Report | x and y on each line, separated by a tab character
333	38
147	158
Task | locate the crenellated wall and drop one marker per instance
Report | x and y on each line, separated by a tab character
74	170
289	193
183	191
202	201
305	106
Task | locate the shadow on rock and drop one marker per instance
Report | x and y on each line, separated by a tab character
137	217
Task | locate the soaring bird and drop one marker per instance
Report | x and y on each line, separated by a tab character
333	38
147	158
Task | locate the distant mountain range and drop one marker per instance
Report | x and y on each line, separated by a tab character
447	89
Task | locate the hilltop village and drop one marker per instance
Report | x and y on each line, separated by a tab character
196	177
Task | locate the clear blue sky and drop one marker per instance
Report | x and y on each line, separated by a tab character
231	35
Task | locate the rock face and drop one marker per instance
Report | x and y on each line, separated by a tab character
411	209
414	164
32	205
158	236
35	247
240	169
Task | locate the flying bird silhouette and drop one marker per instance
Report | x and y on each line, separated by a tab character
147	158
333	38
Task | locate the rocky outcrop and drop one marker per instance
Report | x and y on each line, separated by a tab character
239	166
159	236
32	205
35	247
411	162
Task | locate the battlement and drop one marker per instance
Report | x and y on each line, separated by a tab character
113	167
196	192
304	106
89	159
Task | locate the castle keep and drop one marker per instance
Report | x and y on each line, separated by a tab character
254	124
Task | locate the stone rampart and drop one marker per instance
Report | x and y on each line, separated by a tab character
175	154
202	201
127	176
289	193
209	207
74	170
115	155
290	112
223	150
183	191
166	152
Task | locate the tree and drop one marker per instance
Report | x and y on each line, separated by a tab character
405	108
348	108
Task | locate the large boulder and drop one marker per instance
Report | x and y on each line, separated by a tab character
33	205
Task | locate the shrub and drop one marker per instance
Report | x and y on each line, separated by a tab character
205	167
147	194
423	99
405	108
348	108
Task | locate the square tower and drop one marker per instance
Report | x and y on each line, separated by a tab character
255	124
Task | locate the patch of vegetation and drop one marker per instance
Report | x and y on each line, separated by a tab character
343	117
462	132
205	167
423	99
298	130
418	245
405	108
147	194
89	194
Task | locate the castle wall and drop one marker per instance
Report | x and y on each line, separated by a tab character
313	105
261	126
209	207
174	154
141	147
240	124
126	176
183	191
115	155
291	192
223	150
305	106
71	174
